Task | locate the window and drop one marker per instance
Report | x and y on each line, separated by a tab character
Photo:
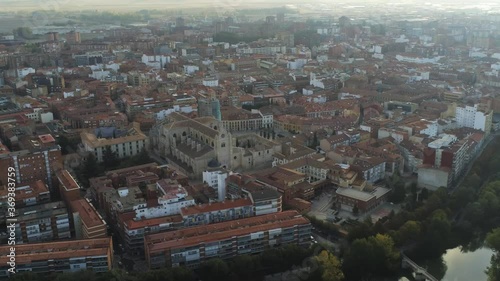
223	144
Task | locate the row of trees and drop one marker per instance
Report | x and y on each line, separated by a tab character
233	38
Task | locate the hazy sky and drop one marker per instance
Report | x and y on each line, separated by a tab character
179	4
147	4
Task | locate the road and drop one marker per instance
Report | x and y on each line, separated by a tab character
157	158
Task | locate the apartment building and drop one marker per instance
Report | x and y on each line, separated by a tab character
367	162
27	195
60	256
135	103
45	222
37	163
316	171
236	119
265	201
445	160
332	142
474	117
87	222
216	178
68	187
225	240
217	212
172	197
133	230
132	177
290	183
124	143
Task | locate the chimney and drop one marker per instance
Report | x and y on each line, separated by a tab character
193	144
198	147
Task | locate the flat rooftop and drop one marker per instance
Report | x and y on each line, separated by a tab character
88	214
219	227
355	194
213	207
27	253
67	180
46	210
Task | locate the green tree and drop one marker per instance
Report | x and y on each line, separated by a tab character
64	143
243	266
23	32
214	270
141	158
182	274
424	194
437	237
109	158
308	38
398	193
329	266
90	169
26	276
493	241
409	232
370	257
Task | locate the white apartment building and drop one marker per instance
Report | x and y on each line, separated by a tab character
473	117
155	61
268	50
431	129
172	197
217	180
210	82
160	115
190	69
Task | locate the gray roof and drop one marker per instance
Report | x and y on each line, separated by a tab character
264	194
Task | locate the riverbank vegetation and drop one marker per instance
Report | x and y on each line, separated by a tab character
426	228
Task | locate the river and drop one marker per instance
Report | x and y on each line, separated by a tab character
456	265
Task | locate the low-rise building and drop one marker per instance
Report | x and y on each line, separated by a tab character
350	199
289	183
